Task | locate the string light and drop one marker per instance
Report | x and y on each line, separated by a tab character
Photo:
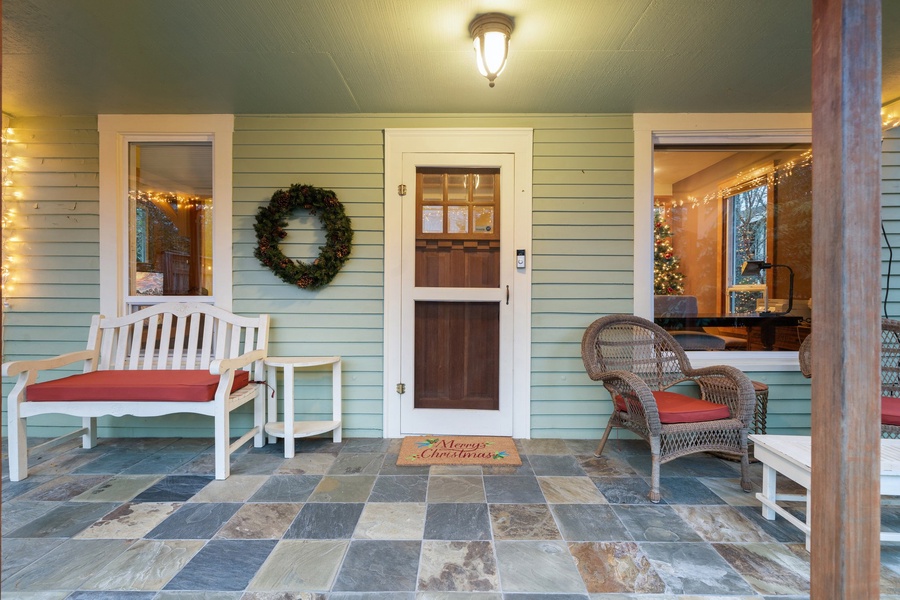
890	115
9	198
780	173
171	199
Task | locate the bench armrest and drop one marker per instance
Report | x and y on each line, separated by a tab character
217	367
20	366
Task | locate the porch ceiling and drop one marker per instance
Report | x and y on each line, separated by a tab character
411	56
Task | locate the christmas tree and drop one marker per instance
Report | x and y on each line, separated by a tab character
667	279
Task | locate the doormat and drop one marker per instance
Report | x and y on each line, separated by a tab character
457	450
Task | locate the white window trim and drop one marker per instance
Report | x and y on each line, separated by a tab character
116	131
701	128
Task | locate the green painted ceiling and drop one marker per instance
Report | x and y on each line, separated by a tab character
64	57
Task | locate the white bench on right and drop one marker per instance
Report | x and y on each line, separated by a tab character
791	455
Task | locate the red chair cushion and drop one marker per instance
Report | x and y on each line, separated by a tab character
890	410
678	408
140	386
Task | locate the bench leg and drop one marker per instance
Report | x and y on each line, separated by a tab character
222	450
18	444
259	418
89	439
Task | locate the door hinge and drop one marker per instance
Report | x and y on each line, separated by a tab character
401	189
401	388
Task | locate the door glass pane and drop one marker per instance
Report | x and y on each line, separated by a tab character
170	218
458	219
432	219
458	243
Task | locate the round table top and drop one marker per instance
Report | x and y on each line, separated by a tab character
301	361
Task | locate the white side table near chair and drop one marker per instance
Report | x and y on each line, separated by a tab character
289	428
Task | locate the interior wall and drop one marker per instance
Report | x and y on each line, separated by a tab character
698	215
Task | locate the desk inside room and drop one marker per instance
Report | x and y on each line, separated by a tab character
763	325
289	428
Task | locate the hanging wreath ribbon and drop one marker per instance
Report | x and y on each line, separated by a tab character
272	219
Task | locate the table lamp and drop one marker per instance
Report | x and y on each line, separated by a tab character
754	267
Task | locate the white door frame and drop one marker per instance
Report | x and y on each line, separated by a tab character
515	141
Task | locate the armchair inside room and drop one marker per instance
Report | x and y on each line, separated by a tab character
692	338
638	362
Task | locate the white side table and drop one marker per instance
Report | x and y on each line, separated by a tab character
290	429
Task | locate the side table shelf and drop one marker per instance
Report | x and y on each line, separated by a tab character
289	428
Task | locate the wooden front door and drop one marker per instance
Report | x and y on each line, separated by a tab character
457	332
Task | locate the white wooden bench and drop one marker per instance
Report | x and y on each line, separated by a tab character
166	359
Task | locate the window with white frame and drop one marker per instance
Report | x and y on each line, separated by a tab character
165	210
718	208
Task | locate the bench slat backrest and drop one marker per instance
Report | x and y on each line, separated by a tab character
202	333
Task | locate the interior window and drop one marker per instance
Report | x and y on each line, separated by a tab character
737	224
170	219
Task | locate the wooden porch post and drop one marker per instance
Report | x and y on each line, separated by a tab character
846	92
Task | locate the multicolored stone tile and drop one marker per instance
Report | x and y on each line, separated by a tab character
456	488
300	565
523	522
769	568
259	521
391	521
458	567
132	520
616	567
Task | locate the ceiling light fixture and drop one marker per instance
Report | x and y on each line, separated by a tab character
490	34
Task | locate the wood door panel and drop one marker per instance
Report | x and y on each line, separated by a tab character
457	350
456	263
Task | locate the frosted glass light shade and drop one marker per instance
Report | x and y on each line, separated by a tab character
490	36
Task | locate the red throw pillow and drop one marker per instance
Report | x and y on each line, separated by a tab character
131	386
890	410
678	408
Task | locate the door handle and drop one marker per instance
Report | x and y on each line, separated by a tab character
507	295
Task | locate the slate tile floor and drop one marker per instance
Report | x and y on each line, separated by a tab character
143	519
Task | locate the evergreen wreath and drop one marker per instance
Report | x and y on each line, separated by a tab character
272	219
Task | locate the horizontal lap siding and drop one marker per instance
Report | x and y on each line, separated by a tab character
53	243
582	263
581	250
890	214
346	317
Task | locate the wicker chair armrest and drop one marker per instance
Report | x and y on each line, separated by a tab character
727	385
639	401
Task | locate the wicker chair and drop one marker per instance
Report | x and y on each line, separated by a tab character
890	375
805	357
637	361
890	378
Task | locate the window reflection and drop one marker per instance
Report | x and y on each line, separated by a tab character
170	218
721	206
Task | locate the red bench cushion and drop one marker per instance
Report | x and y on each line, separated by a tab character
140	386
890	410
678	408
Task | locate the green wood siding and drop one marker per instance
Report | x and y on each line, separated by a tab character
890	215
55	275
581	260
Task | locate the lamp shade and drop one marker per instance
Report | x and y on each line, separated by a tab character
490	36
